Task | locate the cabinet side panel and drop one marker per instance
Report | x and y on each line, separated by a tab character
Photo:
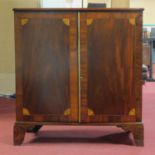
138	67
18	61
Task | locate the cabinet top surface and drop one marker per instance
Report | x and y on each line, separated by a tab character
78	9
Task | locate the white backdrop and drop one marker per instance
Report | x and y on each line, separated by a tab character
66	3
60	3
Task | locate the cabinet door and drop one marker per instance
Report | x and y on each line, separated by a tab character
110	67
46	66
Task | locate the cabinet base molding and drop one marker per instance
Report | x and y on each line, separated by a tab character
21	128
137	130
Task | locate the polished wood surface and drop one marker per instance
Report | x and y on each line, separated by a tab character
137	130
79	9
46	66
108	61
78	67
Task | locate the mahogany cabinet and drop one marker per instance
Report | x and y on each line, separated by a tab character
78	67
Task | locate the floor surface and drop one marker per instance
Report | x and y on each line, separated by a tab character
73	140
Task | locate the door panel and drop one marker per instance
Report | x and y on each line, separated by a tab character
107	67
47	66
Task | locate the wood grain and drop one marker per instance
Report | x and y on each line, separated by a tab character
137	131
108	67
48	80
79	9
47	72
